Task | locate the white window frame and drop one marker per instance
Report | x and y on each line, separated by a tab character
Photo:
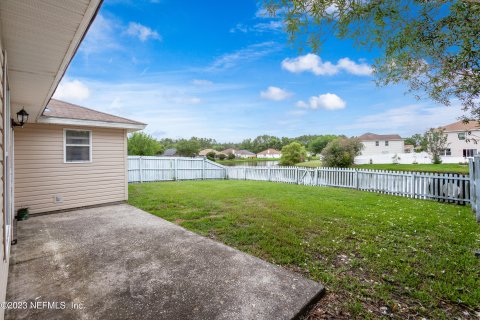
90	145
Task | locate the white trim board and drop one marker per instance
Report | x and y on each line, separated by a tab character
91	123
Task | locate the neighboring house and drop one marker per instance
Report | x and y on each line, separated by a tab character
38	39
245	154
462	139
409	148
269	153
378	144
239	153
172	152
204	152
228	151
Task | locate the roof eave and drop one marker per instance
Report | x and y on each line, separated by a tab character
131	127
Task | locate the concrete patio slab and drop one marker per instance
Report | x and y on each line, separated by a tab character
119	262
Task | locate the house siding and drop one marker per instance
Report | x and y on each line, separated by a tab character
41	174
394	147
4	262
457	146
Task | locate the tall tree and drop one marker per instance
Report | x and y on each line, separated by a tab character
188	148
318	144
431	45
142	144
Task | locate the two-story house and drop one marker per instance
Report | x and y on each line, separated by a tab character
378	144
462	139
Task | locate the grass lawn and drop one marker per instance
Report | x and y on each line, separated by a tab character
377	255
448	167
310	164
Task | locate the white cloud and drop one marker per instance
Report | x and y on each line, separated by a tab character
358	69
72	90
327	101
101	36
309	62
406	120
247	54
202	82
239	28
314	64
142	32
275	93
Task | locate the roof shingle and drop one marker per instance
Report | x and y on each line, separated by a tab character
372	136
61	109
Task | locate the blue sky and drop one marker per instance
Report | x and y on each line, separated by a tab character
223	70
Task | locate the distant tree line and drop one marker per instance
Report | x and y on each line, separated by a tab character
140	143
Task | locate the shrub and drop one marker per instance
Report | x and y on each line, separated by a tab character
221	156
293	153
211	156
230	156
341	152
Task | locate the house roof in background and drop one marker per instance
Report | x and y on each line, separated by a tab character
245	152
204	152
462	126
229	150
269	151
169	152
374	137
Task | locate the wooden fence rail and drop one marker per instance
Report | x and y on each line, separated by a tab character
446	187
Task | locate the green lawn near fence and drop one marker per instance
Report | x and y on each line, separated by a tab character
440	168
377	255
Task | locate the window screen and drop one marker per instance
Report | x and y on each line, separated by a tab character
77	146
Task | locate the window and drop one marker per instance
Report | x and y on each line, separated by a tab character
78	145
446	152
386	143
461	136
377	143
469	152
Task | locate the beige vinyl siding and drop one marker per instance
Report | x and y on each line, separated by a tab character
5	258
41	173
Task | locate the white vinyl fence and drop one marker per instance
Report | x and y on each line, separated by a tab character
420	185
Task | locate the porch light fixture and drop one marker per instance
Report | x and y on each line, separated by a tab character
22	118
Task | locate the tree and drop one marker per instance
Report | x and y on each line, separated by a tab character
318	144
188	148
418	141
341	152
142	144
211	156
436	140
230	156
221	156
293	153
433	46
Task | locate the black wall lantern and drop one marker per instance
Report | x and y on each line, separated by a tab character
22	118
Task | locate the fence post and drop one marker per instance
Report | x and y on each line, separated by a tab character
471	182
245	173
269	174
315	177
203	169
296	175
175	168
413	185
476	170
140	167
356	179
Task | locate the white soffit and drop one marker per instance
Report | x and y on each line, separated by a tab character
41	38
